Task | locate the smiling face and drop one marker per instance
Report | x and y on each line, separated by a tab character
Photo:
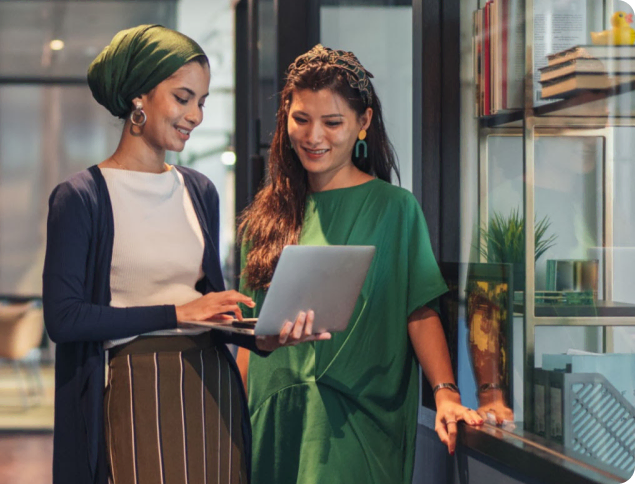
175	107
323	130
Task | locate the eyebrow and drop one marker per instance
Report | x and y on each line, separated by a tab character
325	116
190	92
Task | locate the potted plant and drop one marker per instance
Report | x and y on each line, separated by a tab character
503	240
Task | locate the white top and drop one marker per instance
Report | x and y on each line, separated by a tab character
157	255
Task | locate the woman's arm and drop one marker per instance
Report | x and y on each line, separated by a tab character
484	328
428	340
68	314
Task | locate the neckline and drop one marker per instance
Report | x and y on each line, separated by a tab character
344	189
141	173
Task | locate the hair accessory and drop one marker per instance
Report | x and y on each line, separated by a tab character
138	116
358	77
361	144
449	386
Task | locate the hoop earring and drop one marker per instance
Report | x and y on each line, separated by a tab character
137	113
361	144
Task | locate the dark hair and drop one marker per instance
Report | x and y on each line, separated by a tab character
274	218
201	59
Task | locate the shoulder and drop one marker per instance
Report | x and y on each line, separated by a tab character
198	182
79	188
195	177
395	195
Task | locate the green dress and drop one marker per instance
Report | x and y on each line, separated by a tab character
345	410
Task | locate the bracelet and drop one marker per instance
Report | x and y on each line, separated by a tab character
485	387
449	386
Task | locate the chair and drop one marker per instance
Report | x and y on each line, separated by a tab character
21	329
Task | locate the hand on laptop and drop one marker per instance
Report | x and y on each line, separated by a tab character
213	306
292	333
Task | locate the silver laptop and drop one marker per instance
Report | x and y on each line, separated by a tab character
326	279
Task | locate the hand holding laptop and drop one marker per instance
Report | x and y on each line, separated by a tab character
308	281
292	333
213	308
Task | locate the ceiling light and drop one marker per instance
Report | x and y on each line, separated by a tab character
56	44
228	158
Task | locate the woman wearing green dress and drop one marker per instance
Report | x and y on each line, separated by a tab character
344	410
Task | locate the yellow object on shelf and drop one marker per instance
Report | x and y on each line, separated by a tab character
620	34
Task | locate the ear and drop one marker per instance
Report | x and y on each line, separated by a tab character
139	99
366	118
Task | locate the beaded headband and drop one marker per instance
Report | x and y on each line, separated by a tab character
357	76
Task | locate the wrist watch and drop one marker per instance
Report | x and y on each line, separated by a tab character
449	386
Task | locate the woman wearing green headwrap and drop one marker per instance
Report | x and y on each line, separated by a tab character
132	255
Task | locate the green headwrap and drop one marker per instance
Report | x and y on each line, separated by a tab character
135	62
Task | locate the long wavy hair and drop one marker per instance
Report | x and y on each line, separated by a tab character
274	218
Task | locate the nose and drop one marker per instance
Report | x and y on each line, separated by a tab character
194	115
314	134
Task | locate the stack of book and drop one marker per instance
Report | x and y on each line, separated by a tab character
587	67
498	53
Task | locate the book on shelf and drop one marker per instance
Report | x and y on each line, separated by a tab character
557	26
498	50
585	65
487	56
514	57
592	51
475	62
573	84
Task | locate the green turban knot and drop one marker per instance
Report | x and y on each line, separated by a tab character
135	62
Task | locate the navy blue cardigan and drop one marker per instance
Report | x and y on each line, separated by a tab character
76	297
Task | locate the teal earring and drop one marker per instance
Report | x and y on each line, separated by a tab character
361	144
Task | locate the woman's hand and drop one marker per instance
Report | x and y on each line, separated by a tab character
449	413
494	409
292	334
213	306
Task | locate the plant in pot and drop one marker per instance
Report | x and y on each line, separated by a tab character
503	240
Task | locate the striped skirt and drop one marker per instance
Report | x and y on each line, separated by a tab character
173	413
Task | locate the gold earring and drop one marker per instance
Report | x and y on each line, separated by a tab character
361	144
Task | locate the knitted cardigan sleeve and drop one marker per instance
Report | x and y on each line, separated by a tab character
69	314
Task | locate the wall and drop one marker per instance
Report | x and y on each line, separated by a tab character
211	24
382	41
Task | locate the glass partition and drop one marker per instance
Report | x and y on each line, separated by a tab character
552	181
50	127
387	54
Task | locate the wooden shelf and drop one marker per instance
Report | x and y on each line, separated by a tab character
612	107
507	119
594	103
601	309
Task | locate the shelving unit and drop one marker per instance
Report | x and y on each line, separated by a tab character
592	107
591	114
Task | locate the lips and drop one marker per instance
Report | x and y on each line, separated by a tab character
315	154
184	134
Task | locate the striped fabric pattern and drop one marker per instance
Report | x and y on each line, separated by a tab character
173	417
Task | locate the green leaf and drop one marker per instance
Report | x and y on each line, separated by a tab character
503	239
